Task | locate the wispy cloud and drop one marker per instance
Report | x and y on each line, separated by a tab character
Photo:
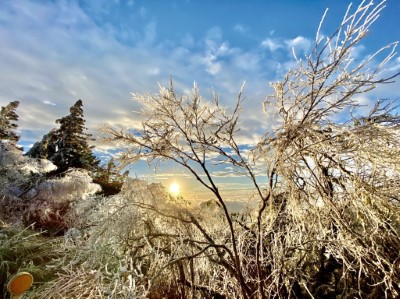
240	28
299	44
272	44
48	103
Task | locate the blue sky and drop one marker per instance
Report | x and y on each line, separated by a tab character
53	53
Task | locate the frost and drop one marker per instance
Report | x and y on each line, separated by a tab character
75	185
38	166
17	170
13	159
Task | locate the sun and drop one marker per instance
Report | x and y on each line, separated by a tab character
174	188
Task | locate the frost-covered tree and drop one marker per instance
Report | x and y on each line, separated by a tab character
67	146
328	221
109	177
46	148
72	148
8	117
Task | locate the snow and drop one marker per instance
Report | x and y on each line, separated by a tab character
14	160
75	185
17	169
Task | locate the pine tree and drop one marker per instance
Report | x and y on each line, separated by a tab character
46	148
7	119
109	178
72	148
68	145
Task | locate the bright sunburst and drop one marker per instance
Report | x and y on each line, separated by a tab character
174	188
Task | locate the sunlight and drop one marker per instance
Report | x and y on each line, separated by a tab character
174	188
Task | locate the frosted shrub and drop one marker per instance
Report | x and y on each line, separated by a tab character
75	185
43	201
106	261
17	174
16	170
138	246
51	202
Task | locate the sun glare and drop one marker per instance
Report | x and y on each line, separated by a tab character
174	188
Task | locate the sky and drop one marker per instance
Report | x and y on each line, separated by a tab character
53	53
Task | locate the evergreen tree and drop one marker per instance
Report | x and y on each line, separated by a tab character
46	148
72	148
109	178
7	119
68	145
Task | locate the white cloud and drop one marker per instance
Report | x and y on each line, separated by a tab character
226	173
48	103
223	49
357	51
299	43
212	67
271	44
362	100
214	49
365	104
247	61
210	60
239	28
